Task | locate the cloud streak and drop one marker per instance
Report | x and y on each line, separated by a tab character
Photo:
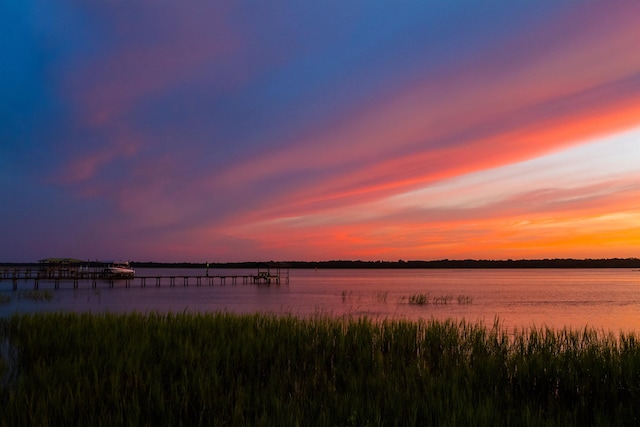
296	132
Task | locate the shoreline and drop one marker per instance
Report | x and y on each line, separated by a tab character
633	263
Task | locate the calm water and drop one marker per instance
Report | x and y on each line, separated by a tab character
606	299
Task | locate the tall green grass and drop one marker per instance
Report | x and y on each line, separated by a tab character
225	369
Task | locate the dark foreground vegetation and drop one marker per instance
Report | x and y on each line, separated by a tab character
224	369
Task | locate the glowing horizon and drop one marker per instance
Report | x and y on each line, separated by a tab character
191	131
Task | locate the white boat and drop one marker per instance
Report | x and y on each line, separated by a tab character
122	269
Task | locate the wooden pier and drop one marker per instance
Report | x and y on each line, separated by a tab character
268	276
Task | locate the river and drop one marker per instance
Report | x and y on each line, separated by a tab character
604	299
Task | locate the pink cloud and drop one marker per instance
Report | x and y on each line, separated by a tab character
155	47
467	120
88	163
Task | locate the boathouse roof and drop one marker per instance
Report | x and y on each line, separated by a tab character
60	261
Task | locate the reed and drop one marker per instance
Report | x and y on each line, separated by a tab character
225	369
424	299
36	295
465	299
382	296
419	299
445	299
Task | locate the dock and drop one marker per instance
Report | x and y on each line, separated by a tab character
86	278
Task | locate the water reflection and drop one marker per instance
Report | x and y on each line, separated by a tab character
605	299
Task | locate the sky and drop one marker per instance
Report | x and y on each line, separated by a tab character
222	131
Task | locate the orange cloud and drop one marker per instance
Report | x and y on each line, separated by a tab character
598	220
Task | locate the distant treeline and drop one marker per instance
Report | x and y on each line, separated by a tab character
445	263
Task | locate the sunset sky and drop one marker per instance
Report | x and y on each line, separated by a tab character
192	130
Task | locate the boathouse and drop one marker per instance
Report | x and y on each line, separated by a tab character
59	267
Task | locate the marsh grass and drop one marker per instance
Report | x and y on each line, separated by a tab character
424	299
419	299
382	296
225	369
36	295
350	295
465	299
445	299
